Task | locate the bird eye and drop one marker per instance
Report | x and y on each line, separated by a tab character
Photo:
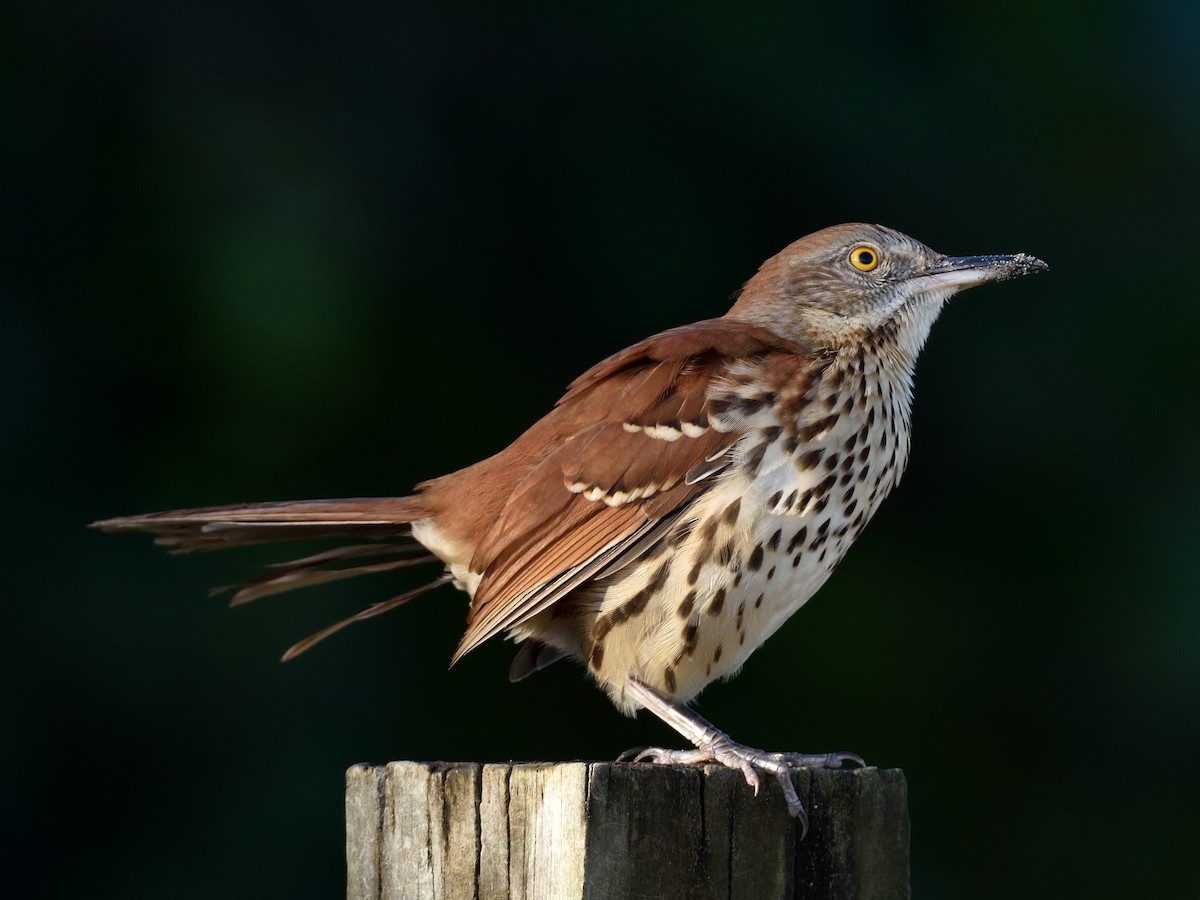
864	258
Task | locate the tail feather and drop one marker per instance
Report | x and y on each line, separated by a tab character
284	577
385	520
216	527
376	609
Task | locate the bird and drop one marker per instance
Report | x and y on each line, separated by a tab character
678	504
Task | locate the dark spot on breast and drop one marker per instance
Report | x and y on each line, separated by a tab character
851	443
685	606
796	560
691	634
831	461
718	602
716	654
725	554
826	485
758	602
770	573
864	454
773	500
669	679
790	503
871	416
694	574
750	405
846	479
659	578
848	406
820	505
756	558
808	432
754	458
824	528
630	607
810	459
798	539
773	543
730	516
850	507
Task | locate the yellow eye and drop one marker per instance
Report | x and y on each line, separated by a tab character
864	258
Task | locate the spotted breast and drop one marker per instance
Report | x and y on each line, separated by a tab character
817	443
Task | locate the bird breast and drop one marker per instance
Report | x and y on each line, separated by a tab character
807	476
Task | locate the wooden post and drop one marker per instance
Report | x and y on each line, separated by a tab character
568	831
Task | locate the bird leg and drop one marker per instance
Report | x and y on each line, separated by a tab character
713	745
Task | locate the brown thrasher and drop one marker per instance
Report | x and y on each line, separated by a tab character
679	503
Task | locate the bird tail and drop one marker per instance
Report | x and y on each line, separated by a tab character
380	529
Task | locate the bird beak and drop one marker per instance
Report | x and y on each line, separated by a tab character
962	272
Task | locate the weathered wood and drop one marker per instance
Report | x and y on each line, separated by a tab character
534	831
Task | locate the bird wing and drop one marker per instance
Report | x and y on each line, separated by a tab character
632	445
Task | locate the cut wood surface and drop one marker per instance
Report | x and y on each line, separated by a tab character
537	831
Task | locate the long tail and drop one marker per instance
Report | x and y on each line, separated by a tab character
384	522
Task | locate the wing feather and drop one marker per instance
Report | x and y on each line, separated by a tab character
616	473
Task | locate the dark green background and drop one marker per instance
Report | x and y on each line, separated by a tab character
257	252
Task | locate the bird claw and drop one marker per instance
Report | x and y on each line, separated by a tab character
715	746
834	760
723	751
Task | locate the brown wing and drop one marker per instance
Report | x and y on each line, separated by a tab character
609	470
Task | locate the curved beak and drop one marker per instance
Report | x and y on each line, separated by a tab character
961	272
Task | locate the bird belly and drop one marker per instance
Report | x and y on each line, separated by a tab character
757	551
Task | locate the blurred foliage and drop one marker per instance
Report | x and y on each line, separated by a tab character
267	251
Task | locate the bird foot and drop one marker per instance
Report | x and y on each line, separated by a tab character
719	748
715	746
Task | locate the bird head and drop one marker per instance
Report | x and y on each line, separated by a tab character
842	284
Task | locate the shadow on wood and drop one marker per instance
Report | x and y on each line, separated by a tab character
619	830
